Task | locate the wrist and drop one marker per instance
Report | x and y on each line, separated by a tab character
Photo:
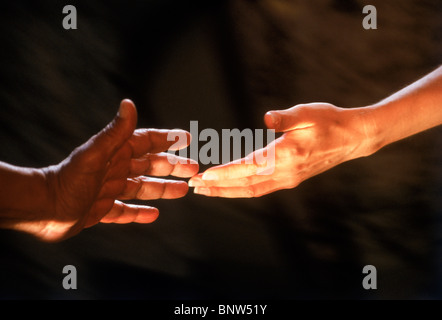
35	205
25	197
369	132
45	180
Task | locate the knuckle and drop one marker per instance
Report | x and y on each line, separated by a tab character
139	190
250	192
162	190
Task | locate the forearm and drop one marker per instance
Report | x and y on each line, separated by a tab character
414	109
23	195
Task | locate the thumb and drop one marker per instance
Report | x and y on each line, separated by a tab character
118	131
288	119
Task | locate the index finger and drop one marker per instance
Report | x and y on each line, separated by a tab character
158	140
260	162
232	170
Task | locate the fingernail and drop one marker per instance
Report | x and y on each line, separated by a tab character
210	176
202	191
195	183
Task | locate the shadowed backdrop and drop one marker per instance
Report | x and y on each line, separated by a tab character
225	63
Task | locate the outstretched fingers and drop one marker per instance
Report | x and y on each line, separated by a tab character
144	188
162	165
250	191
127	213
158	140
259	162
198	181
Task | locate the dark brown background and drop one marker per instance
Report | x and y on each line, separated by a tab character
225	63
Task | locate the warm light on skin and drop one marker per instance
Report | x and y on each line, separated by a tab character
306	148
320	136
85	189
57	202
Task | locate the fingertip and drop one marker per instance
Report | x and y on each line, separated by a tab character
179	190
147	216
196	181
195	168
185	187
127	109
190	172
129	101
128	113
272	119
155	216
210	175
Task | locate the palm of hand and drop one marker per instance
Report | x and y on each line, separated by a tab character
316	138
87	187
